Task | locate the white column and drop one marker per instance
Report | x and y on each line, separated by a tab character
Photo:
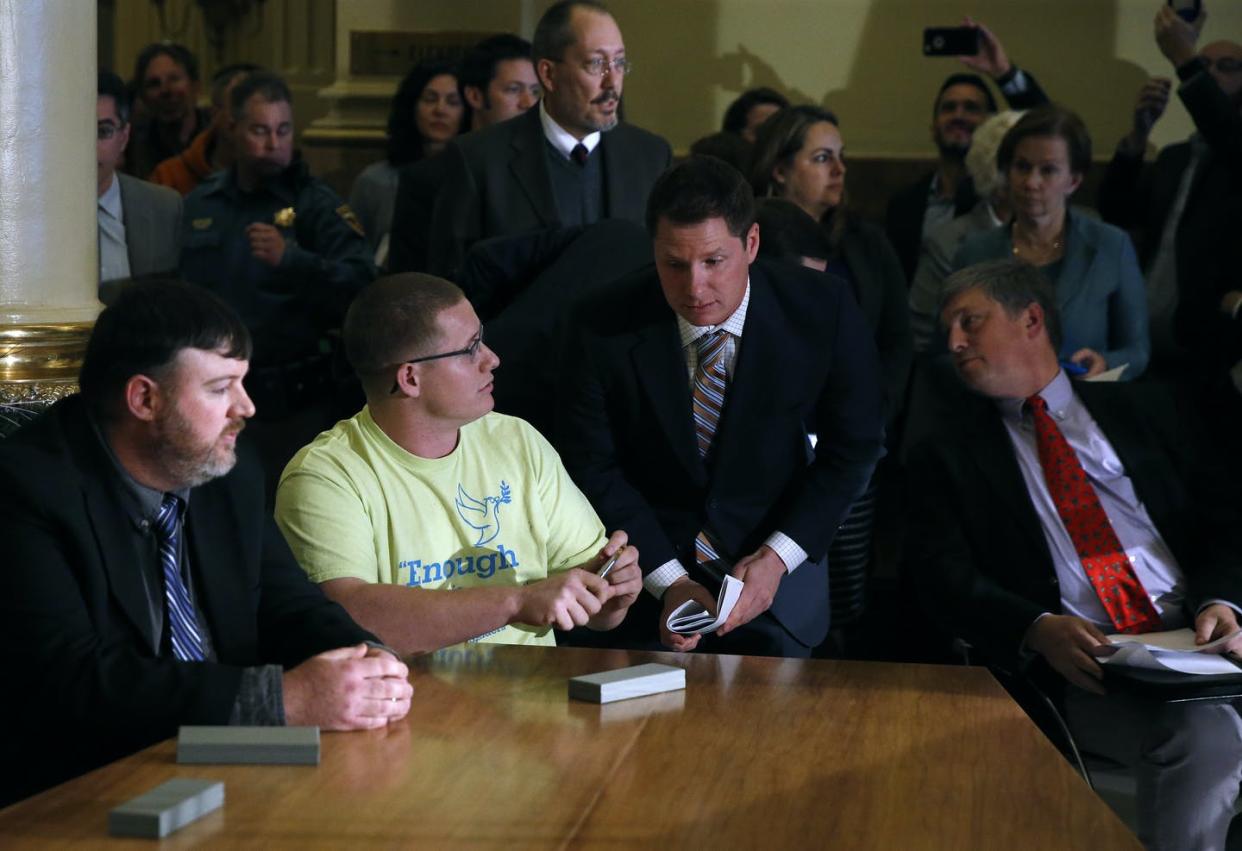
48	240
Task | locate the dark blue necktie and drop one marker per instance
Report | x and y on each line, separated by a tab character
187	644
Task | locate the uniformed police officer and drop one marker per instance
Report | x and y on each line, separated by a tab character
287	253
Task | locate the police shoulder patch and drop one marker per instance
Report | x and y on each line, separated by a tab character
201	224
350	218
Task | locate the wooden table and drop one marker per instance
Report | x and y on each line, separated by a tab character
755	753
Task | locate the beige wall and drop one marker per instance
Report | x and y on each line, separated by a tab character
294	37
862	58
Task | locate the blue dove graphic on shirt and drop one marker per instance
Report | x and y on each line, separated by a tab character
483	514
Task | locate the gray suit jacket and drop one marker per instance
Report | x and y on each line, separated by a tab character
152	217
496	183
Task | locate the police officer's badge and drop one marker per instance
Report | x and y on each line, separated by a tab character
284	218
350	219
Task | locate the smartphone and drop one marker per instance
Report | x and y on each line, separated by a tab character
1187	10
950	41
609	565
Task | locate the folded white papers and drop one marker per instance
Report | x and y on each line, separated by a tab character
690	618
1113	374
624	683
1173	650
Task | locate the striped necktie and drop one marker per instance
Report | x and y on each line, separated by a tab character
710	383
187	644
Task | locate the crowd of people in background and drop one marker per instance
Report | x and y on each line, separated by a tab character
717	361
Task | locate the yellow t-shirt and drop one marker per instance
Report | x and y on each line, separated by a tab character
498	510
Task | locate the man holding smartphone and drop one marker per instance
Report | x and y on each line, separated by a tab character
427	490
1178	206
962	104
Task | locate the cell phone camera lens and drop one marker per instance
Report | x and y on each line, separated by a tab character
938	42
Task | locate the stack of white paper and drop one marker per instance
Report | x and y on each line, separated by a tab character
1113	374
624	683
690	618
1174	650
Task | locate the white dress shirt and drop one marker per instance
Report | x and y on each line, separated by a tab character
1153	562
561	139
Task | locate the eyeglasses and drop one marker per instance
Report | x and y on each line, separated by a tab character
597	66
106	130
471	351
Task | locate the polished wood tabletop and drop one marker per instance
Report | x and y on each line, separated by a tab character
754	753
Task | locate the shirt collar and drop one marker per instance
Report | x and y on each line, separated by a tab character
560	138
1057	393
142	503
734	324
110	201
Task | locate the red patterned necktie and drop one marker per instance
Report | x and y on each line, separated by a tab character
1105	562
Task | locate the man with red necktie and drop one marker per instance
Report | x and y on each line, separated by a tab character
1052	513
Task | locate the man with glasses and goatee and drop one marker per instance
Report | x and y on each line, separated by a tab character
571	162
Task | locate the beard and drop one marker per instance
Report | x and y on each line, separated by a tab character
952	150
188	459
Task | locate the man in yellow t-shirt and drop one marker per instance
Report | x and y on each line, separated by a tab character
426	490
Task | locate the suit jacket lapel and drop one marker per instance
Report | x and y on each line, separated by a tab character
759	376
1135	456
136	218
1080	253
119	553
214	550
621	196
530	168
993	454
661	371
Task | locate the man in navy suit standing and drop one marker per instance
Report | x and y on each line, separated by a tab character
686	411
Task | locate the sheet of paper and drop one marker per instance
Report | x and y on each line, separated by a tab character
1113	374
690	618
1182	640
1139	656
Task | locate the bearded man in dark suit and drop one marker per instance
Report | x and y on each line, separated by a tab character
144	587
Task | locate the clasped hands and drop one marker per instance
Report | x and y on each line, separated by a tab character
1071	645
761	571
